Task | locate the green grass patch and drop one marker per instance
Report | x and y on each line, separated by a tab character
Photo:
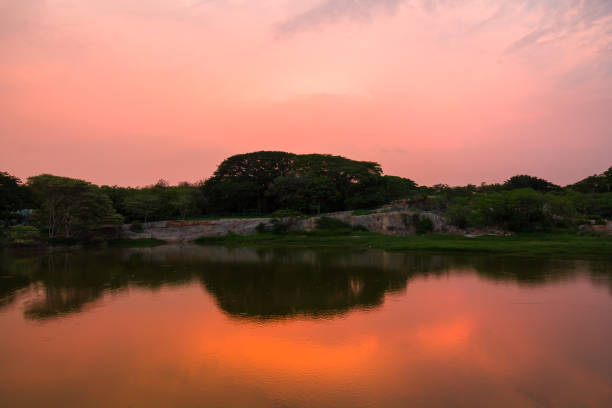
523	244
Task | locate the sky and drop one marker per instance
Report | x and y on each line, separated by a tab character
127	92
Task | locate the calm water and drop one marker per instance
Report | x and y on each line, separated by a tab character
190	326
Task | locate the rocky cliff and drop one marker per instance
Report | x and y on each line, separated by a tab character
383	222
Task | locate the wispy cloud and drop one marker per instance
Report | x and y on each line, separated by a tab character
331	11
526	40
548	19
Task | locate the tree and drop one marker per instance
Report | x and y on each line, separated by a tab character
14	196
525	181
70	207
255	170
599	183
398	187
183	200
142	204
289	192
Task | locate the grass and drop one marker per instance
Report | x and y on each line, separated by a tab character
522	244
364	212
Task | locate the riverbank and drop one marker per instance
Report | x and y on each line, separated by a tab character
560	243
527	244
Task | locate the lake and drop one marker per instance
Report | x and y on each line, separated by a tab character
192	326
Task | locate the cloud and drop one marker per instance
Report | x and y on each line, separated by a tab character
331	11
525	41
546	18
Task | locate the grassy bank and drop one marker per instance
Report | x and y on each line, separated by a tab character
527	244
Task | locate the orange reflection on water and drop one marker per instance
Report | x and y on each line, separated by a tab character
441	342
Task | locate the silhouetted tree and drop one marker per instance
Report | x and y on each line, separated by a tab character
525	181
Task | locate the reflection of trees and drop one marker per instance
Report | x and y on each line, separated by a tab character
260	284
14	277
275	290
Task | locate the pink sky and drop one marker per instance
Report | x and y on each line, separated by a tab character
129	91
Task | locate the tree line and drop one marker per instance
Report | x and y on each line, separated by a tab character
263	182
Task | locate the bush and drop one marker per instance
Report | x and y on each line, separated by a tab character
458	215
328	223
422	224
21	236
136	226
279	226
261	228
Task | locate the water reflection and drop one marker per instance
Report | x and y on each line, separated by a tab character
189	326
260	284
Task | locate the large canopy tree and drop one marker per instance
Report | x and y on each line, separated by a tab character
240	182
70	207
311	183
534	183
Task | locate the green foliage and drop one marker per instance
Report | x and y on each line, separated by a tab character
288	185
524	181
514	210
157	202
599	183
136	226
521	244
142	204
261	228
398	187
284	219
364	212
459	214
14	196
240	182
313	183
21	235
328	223
69	207
422	224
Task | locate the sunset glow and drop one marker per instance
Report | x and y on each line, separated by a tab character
127	92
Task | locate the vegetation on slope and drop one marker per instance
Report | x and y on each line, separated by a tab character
260	183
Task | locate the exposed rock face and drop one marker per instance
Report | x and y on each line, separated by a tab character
389	223
605	228
173	231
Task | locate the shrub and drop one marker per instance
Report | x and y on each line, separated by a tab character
328	223
136	226
21	235
279	226
261	228
458	215
422	224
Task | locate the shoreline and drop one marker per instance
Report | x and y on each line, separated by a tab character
560	244
520	244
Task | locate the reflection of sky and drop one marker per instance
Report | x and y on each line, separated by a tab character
446	341
482	89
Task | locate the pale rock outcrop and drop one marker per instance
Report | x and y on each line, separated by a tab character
383	222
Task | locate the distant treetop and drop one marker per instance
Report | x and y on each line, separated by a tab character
525	181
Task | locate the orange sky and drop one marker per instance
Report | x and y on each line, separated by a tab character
128	91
